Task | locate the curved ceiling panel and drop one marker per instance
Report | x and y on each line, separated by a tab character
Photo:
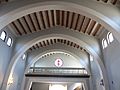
54	41
42	20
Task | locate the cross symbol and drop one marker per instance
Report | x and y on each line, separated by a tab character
58	62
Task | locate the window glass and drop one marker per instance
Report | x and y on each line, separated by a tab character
3	35
24	56
91	58
9	41
110	37
104	43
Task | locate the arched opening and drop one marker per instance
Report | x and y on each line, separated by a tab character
9	41
110	37
104	43
3	35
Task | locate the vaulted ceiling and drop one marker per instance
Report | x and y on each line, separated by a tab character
37	21
42	20
54	41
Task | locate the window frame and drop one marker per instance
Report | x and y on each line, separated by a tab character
91	58
11	41
103	43
24	56
4	37
108	37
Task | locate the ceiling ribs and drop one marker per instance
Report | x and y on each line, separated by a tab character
50	15
55	17
75	18
29	23
34	21
54	41
70	19
45	19
40	22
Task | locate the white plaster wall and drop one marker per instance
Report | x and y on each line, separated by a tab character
96	76
112	63
5	55
18	75
111	60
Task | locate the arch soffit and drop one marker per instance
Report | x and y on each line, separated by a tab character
54	33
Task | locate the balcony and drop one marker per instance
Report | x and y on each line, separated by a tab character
57	72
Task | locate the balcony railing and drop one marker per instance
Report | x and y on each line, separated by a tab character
58	71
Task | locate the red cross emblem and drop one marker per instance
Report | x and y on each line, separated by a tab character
58	62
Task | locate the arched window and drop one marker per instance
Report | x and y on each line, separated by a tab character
110	37
104	43
91	58
3	35
23	56
9	41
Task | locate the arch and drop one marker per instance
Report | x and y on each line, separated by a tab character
30	80
57	47
54	34
103	19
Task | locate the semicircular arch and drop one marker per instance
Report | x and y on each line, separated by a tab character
72	38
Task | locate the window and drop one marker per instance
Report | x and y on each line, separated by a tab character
9	41
3	35
91	58
110	37
24	56
104	43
